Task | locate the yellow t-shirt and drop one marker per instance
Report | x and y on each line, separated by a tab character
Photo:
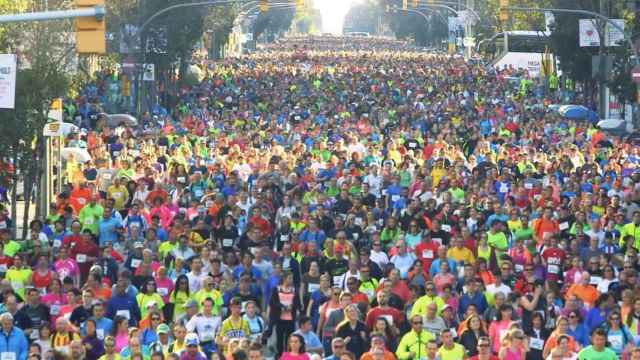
456	353
233	330
119	194
461	254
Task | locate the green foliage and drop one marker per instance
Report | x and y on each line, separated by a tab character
275	20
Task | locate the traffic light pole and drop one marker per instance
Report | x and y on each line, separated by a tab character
97	11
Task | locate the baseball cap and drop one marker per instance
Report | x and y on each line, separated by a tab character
163	329
190	303
192	339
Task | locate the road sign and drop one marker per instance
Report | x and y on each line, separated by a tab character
469	41
52	129
635	74
149	73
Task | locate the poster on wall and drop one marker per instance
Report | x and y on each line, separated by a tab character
8	69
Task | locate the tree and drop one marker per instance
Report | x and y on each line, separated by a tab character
45	58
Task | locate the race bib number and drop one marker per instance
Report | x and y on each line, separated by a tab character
3	225
135	263
124	313
3	268
227	242
395	198
519	267
313	288
337	280
88	221
358	221
82	201
564	225
528	186
438	241
81	258
595	280
55	309
106	176
446	228
163	291
198	193
554	269
356	236
8	356
536	344
284	237
35	335
100	334
427	254
16	285
504	188
57	243
389	318
182	179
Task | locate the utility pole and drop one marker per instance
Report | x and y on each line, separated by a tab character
603	97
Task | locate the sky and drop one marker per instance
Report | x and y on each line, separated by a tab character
333	13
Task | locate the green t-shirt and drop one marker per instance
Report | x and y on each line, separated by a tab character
589	353
165	248
11	248
89	217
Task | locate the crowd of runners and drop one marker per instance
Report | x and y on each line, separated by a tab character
341	203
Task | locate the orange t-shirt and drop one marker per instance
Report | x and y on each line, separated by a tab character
552	342
586	293
542	226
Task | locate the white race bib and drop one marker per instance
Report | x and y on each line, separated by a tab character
519	267
389	318
437	240
163	291
55	309
57	243
182	179
124	313
88	221
100	334
35	335
446	228
313	288
595	280
106	176
227	242
536	344
16	285
3	268
554	269
528	186
284	237
8	356
358	221
427	254
395	198
356	236
135	263
564	225
504	188
81	258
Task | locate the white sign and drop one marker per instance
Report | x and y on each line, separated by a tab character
531	62
53	129
613	36
149	73
589	33
8	68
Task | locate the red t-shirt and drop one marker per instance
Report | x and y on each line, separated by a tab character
554	258
41	281
387	312
426	252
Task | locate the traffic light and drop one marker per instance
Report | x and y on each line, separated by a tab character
504	12
90	31
264	5
405	4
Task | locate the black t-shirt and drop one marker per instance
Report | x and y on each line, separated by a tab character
80	315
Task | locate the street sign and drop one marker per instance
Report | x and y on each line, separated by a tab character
635	74
589	33
469	41
8	69
52	129
149	73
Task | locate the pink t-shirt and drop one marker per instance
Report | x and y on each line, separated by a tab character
289	356
497	330
161	285
66	268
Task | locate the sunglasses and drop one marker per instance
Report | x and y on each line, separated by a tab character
377	244
155	319
430	289
483	345
615	318
416	322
